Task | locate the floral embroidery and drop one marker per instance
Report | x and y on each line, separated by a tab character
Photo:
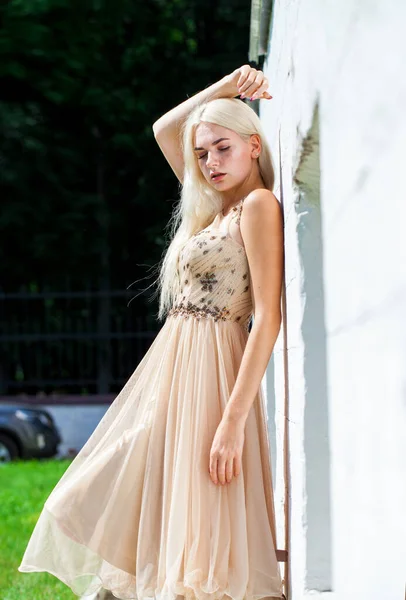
198	312
219	276
208	281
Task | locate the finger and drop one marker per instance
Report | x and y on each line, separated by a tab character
249	80
221	476
244	71
252	84
260	90
229	470
249	86
264	96
213	469
237	466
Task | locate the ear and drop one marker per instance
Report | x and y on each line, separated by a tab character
255	142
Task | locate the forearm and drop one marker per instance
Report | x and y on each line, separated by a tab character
257	353
174	118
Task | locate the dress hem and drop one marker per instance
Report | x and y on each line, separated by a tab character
101	587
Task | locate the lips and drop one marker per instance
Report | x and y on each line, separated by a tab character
216	175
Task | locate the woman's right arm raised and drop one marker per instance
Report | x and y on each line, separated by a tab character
244	80
167	128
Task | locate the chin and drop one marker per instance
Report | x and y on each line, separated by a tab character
224	185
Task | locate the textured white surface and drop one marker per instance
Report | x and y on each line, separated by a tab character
75	423
349	58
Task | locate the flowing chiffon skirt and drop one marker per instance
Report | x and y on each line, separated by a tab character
137	513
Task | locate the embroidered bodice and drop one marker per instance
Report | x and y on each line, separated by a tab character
214	273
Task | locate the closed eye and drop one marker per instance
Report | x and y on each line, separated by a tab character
221	150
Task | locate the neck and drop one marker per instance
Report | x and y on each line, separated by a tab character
233	196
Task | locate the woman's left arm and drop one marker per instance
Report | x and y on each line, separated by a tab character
261	227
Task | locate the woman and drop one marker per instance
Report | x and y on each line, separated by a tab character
171	496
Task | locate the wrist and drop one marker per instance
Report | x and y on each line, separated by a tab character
234	415
224	89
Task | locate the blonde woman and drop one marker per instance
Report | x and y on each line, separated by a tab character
171	497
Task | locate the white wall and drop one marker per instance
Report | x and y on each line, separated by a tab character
75	423
346	291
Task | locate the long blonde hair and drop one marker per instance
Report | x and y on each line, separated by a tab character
199	202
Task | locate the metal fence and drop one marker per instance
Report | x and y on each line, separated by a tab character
70	342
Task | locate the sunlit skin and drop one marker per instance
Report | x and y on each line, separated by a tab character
261	227
220	149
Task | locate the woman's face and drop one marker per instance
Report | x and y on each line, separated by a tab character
221	150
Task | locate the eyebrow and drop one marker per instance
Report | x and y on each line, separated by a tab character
214	143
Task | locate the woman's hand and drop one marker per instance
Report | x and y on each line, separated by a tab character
226	451
247	82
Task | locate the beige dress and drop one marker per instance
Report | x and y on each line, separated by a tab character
136	512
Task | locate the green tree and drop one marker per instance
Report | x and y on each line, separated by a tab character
86	192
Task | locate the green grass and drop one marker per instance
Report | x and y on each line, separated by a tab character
24	487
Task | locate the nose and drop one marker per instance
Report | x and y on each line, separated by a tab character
211	161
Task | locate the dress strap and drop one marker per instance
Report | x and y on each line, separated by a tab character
235	213
235	216
237	210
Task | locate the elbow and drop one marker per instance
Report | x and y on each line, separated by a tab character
162	125
156	128
270	321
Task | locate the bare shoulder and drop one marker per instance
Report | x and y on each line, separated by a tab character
262	204
262	229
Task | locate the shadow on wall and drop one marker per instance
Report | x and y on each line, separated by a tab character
316	417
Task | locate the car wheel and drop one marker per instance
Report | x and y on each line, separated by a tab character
8	449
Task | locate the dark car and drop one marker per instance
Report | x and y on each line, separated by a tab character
26	432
